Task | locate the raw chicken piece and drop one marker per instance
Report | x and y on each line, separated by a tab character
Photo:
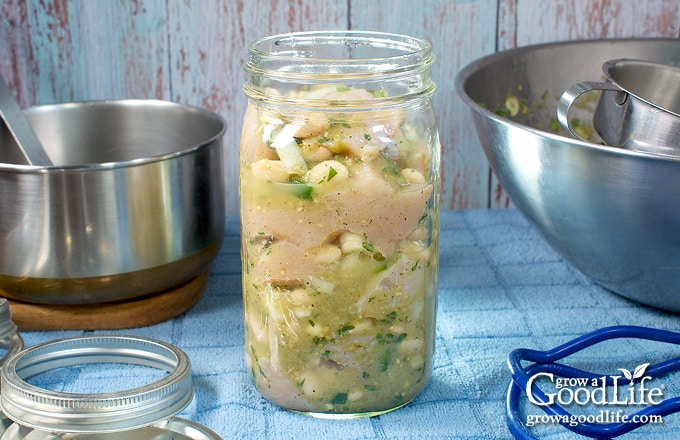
367	205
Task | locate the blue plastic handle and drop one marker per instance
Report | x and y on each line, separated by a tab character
545	361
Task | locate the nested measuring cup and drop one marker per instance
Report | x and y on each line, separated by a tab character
339	184
638	109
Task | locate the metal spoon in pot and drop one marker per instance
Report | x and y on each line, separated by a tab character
31	149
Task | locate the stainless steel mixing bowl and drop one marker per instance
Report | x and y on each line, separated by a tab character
614	214
133	205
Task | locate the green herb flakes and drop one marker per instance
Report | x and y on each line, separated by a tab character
384	361
339	399
344	329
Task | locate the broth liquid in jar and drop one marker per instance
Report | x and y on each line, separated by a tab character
339	186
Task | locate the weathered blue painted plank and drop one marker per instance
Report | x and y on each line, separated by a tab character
16	52
208	47
559	20
97	49
459	32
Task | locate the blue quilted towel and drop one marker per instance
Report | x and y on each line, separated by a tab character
501	287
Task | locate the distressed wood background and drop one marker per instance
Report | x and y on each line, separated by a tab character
192	51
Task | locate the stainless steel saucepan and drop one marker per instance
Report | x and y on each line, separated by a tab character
134	203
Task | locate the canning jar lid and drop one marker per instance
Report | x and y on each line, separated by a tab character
52	411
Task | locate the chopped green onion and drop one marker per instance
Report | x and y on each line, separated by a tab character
301	190
512	104
331	173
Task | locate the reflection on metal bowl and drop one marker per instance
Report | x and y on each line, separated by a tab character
133	205
612	213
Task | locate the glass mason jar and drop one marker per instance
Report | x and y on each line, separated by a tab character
339	187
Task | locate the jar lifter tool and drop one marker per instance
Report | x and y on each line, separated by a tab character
545	361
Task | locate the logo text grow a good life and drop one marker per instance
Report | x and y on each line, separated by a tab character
633	388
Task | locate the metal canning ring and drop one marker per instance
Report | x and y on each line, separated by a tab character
54	411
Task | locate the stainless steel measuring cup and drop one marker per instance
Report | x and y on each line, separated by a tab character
639	106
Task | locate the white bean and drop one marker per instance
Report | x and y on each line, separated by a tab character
271	170
314	153
328	171
412	176
326	253
350	242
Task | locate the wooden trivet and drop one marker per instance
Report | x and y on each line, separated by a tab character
137	312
